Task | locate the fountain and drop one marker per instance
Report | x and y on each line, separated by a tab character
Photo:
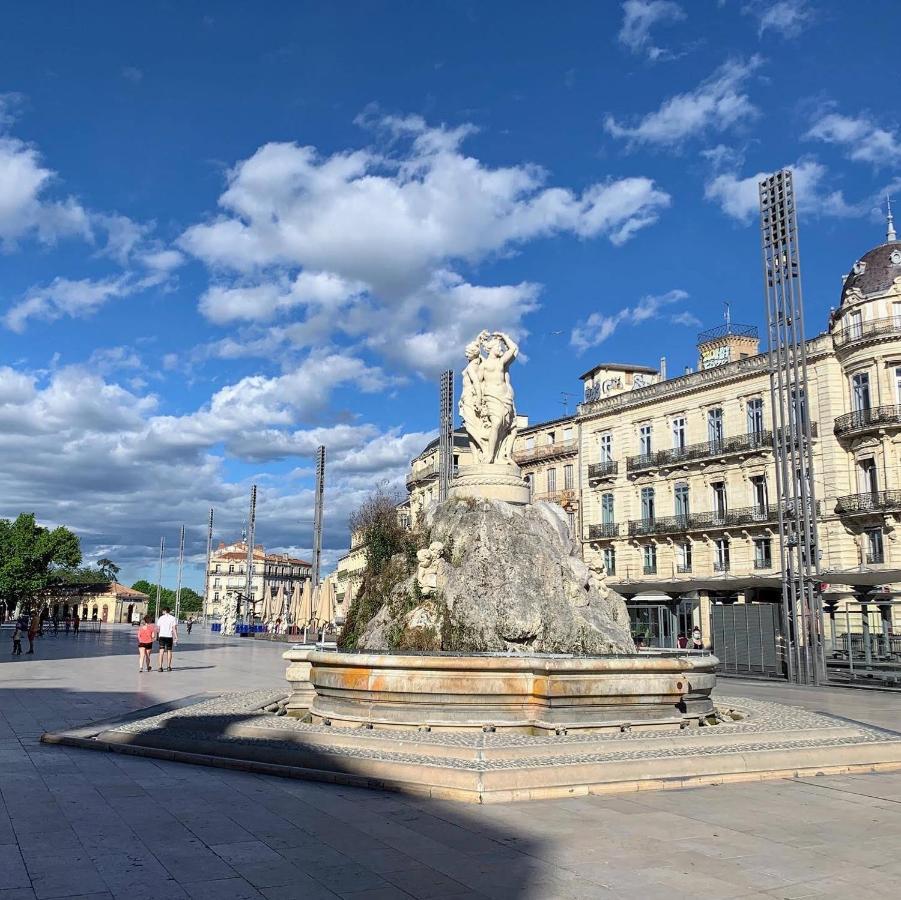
513	631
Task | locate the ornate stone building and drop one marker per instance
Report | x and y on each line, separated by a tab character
228	574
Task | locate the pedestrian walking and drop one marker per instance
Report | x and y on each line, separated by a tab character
33	628
17	639
146	635
190	623
167	635
75	623
68	624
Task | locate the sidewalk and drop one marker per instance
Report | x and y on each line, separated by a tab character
81	824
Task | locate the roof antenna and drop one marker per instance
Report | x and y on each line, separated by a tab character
890	222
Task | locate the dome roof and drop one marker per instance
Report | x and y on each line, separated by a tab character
875	271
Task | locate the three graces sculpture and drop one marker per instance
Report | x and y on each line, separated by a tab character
486	402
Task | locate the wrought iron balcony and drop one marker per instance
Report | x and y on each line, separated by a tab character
875	559
742	443
703	521
683	569
566	497
871	502
721	565
864	419
545	451
763	563
875	328
604	469
649	569
603	530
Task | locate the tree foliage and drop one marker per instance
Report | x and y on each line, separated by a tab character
191	601
109	569
29	554
78	575
390	555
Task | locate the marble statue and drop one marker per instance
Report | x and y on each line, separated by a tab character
427	570
489	417
229	614
486	403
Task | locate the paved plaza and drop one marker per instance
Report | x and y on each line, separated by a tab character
84	824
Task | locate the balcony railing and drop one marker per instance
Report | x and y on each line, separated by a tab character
545	451
763	563
873	501
721	565
649	569
603	469
422	474
852	334
603	530
683	568
875	559
864	419
757	440
748	515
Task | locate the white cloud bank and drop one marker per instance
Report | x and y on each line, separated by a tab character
639	17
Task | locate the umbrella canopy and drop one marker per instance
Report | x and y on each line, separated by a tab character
266	611
306	604
294	609
278	605
324	601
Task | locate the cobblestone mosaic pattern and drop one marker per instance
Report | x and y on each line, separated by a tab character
774	724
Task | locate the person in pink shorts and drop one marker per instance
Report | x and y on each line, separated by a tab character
146	636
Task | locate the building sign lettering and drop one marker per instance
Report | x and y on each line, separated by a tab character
715	356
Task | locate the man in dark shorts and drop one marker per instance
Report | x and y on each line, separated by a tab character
167	635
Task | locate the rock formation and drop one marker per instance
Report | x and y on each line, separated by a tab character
509	578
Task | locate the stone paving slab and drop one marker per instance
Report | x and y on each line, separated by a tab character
761	839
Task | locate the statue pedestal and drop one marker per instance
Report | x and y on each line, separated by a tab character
491	481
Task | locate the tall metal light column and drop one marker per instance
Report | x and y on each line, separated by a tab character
802	611
251	528
317	514
206	571
159	577
181	563
446	434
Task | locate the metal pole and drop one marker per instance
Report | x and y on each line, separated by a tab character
251	528
206	576
181	562
159	577
446	434
317	514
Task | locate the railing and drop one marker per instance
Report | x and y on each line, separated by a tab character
603	530
423	473
719	331
763	564
875	559
873	501
721	565
603	469
873	417
683	569
545	451
851	334
649	570
757	440
748	515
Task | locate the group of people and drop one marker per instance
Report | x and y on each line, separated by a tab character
165	633
32	625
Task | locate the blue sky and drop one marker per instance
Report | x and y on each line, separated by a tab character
229	234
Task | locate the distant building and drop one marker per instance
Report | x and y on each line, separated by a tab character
228	574
106	601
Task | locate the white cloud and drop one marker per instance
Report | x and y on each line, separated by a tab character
639	17
64	297
860	137
600	326
132	74
372	244
786	17
739	197
717	104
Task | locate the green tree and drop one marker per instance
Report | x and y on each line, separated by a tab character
190	602
109	569
28	555
78	575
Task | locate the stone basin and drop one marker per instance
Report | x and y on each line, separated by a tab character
531	694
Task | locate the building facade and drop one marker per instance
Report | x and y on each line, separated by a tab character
670	482
228	574
102	602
